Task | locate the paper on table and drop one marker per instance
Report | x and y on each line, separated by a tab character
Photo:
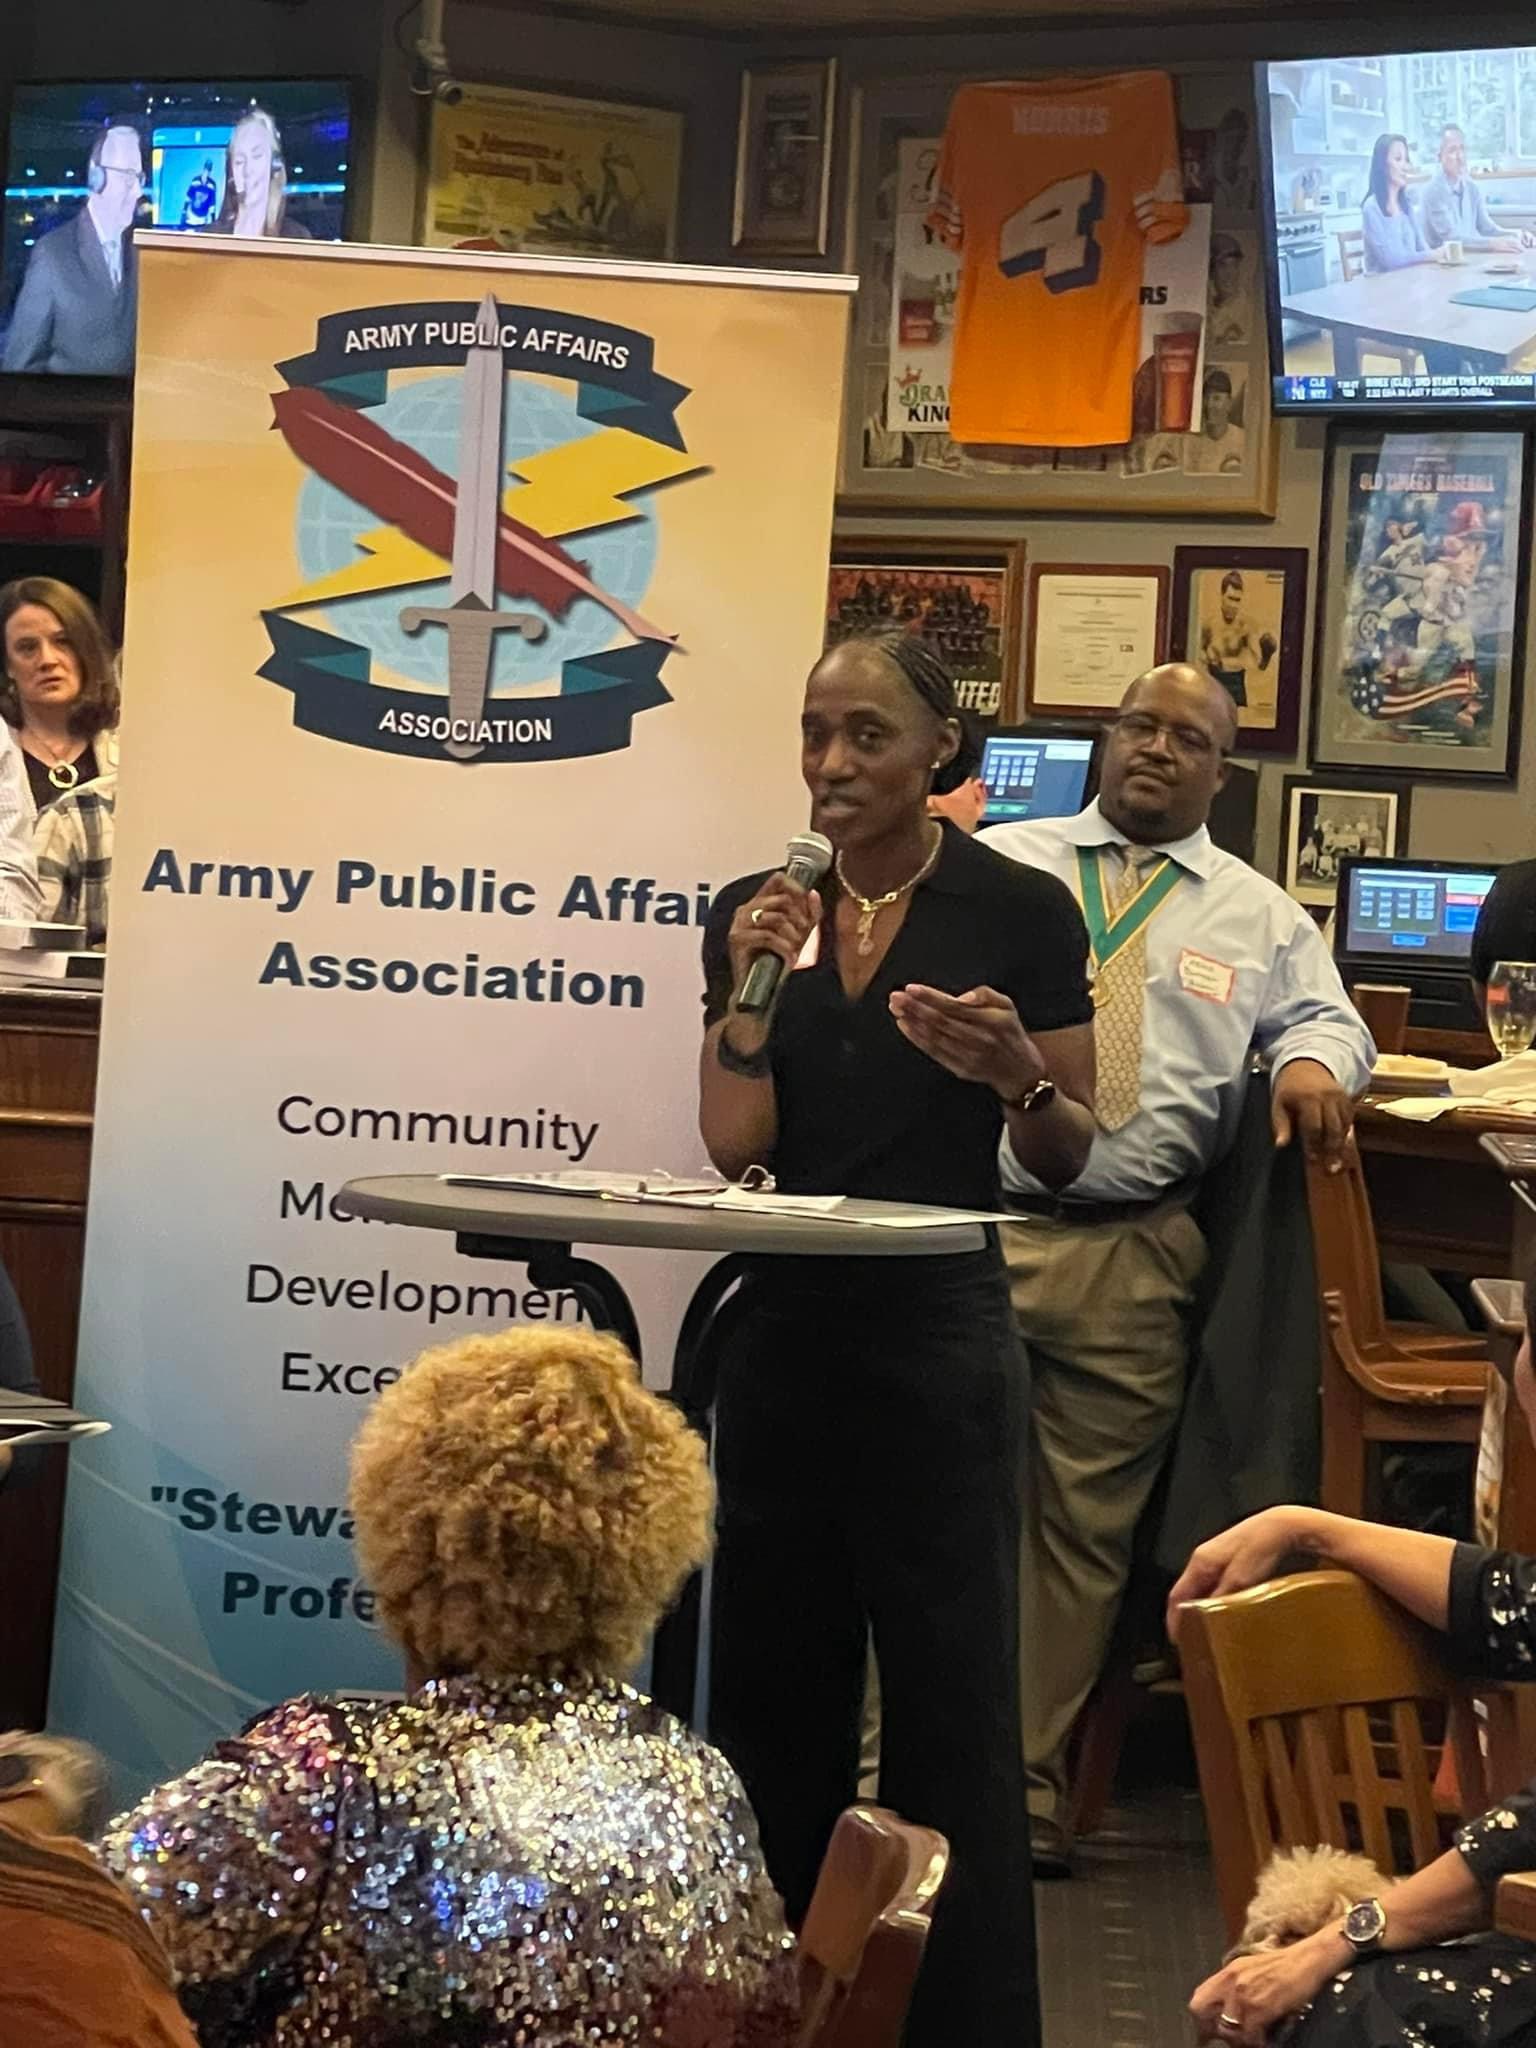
930	1219
769	1203
1423	1109
619	1186
1508	1079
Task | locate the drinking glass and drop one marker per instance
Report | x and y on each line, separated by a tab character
1512	1006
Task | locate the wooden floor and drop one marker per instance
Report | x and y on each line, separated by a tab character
1123	1944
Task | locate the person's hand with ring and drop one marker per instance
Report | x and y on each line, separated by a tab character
1248	1998
779	919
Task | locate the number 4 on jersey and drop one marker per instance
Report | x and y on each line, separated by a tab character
1053	233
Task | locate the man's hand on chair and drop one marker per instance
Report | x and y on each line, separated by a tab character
1308	1105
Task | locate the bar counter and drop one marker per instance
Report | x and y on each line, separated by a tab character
48	1047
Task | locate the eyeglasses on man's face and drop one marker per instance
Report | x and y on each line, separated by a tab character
1141	729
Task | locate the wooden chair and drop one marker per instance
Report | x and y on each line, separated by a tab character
1319	1710
1514	1907
863	1938
1506	1458
1381	1382
1351	241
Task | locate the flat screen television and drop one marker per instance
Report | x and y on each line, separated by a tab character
1400	214
86	163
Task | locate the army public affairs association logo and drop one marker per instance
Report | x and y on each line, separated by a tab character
475	547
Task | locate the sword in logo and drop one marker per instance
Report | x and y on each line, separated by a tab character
471	619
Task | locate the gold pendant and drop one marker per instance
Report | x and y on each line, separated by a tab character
866	931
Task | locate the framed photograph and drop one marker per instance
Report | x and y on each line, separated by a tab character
1201	447
784	158
1322	820
1093	628
1422	572
544	173
1241	615
963	600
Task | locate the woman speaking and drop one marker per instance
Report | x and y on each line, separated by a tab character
869	1410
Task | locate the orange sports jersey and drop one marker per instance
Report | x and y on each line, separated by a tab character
1049	189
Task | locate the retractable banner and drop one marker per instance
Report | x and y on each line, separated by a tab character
470	601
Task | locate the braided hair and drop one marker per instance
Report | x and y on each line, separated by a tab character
934	684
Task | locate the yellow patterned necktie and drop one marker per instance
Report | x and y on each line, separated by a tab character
1119	994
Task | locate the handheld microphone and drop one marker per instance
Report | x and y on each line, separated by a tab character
808	857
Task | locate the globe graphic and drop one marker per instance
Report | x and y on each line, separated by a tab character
620	558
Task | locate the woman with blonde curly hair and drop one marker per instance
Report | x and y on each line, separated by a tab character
524	1850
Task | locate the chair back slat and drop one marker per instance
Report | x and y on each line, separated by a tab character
862	1943
1417	1784
1284	1795
1368	1794
1315	1757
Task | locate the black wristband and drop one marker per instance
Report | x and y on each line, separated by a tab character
751	1066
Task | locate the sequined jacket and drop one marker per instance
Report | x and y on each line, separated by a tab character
1493	1626
523	1865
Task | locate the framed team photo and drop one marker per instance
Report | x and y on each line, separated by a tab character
1240	615
1422	575
1324	820
964	601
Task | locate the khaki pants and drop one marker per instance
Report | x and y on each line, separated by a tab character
1102	1308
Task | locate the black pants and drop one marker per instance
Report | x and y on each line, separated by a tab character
867	1430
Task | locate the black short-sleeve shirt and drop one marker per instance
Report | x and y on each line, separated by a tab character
1506	924
863	1112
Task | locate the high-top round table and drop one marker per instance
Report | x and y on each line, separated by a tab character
540	1230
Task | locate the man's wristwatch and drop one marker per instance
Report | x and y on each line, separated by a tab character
1040	1096
1365	1927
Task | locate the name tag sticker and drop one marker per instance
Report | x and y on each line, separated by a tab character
1199	975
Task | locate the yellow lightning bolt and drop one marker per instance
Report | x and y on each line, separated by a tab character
572	489
583	484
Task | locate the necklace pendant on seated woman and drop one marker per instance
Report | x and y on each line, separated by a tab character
63	774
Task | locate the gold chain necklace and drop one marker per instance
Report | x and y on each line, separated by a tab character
870	907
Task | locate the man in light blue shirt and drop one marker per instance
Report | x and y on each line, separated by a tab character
1200	963
1454	210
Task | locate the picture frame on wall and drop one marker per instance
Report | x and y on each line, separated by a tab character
1240	616
1422	581
609	183
784	158
1324	818
1094	627
963	599
897	454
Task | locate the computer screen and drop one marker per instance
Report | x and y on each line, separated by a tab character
1035	775
1412	912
